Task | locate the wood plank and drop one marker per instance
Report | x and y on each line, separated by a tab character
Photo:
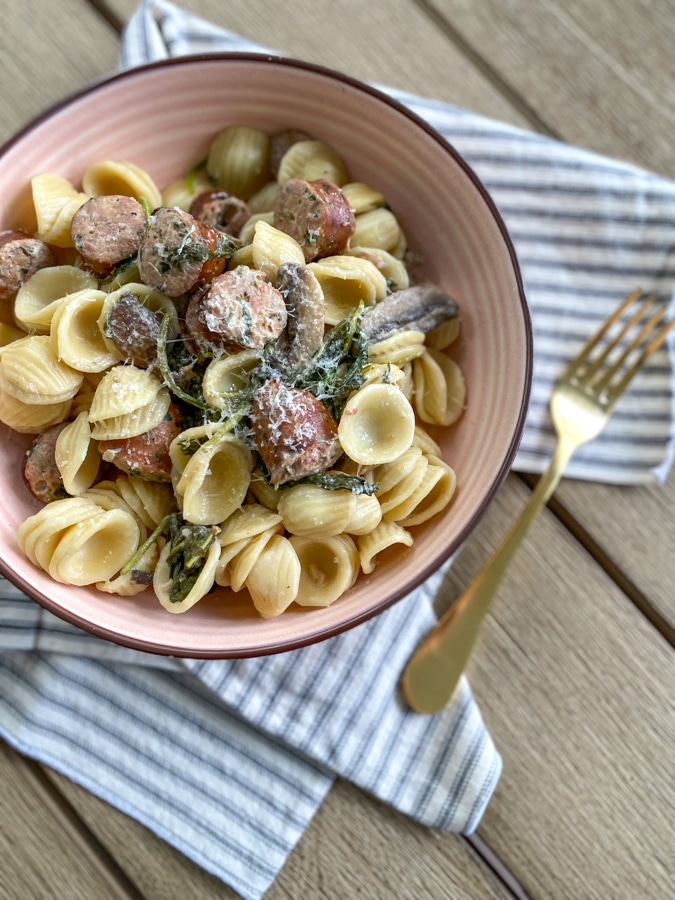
40	77
354	846
617	52
577	77
635	528
41	854
576	687
390	43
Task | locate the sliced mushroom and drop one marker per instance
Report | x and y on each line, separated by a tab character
419	308
306	307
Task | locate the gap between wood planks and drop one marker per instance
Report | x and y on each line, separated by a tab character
618	576
88	845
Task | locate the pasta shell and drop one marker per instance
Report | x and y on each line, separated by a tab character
386	535
113	177
312	160
274	580
440	391
215	480
131	424
123	390
361	197
377	228
95	548
347	281
77	456
239	160
377	425
329	567
31	372
76	337
38	298
56	201
183	191
31	418
272	248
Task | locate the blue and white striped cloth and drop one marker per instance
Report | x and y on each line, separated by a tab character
229	760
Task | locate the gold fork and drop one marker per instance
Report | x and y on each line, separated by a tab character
581	404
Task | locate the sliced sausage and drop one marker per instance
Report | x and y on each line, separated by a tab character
306	306
316	214
106	230
178	252
239	309
146	455
20	257
295	434
221	210
40	471
134	328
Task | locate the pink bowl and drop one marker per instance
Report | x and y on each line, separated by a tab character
162	117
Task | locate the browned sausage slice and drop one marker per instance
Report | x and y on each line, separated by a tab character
20	257
239	309
316	214
106	230
146	455
40	471
179	253
295	434
221	210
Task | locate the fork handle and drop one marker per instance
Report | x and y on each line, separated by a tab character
434	670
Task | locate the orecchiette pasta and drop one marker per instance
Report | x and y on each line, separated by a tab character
31	371
215	480
56	201
77	456
329	566
114	177
312	160
440	391
385	535
272	248
377	425
346	282
75	334
377	228
238	160
287	494
40	297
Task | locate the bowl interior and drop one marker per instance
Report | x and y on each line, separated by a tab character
163	118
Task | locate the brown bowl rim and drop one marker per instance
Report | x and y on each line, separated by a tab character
420	577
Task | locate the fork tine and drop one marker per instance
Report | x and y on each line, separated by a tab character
592	342
611	345
646	329
648	351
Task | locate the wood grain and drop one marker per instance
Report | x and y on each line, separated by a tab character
389	42
576	73
571	677
576	687
54	61
41	853
353	847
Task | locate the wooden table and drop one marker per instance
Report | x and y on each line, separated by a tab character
574	672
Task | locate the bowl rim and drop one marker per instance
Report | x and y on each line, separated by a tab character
419	577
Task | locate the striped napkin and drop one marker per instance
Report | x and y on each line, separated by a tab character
229	760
